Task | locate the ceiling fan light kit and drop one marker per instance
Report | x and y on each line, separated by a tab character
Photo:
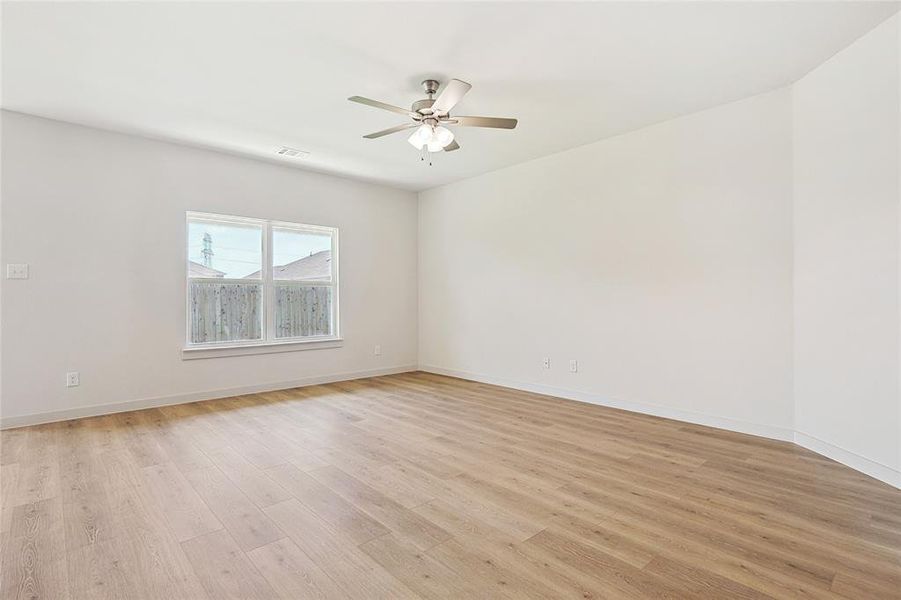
433	137
429	117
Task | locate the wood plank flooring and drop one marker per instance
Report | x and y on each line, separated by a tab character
422	486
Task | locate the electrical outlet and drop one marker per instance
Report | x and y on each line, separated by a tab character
72	379
547	363
377	350
573	366
17	271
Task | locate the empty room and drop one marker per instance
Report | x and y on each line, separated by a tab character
457	300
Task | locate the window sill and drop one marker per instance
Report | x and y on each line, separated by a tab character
197	352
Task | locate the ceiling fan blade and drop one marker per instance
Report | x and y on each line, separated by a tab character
394	129
382	105
452	146
495	122
452	93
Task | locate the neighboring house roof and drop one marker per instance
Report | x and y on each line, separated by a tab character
196	269
314	266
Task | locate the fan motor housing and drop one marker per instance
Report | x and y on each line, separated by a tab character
423	107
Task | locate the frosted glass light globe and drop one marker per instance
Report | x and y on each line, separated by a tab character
422	136
443	136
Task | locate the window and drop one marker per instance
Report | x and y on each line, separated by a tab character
255	282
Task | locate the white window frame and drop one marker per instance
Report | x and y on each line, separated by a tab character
267	343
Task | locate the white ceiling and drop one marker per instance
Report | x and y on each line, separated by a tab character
248	77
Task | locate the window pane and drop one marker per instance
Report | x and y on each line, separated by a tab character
225	312
229	250
301	255
302	311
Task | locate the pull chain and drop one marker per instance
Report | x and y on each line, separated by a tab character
422	154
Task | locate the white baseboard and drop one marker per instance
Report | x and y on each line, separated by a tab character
767	431
116	407
866	466
857	462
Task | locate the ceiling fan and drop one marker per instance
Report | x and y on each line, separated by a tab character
431	115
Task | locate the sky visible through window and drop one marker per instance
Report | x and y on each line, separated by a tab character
236	248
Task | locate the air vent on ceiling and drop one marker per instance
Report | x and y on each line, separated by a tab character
291	152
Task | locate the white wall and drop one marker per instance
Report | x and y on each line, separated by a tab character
661	260
99	217
846	230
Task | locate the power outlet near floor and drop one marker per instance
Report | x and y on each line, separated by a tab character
73	379
17	271
574	366
377	350
546	362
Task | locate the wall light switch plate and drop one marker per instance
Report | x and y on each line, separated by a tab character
72	379
573	366
17	271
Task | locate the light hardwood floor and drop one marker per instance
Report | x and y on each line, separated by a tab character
418	485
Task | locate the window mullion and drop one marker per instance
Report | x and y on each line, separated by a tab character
268	288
